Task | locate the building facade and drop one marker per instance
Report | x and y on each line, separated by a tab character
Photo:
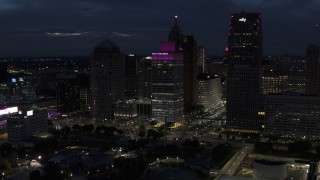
190	72
188	46
292	114
68	94
209	93
313	70
107	79
167	84
275	77
21	126
243	74
144	76
202	60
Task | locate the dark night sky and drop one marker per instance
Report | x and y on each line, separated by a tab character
73	27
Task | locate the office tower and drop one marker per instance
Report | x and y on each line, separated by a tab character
176	35
209	91
68	94
144	76
126	109
274	77
313	70
3	72
297	76
201	60
84	88
131	75
23	125
243	74
167	83
190	72
107	79
188	46
292	114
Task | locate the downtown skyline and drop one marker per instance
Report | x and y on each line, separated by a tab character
40	28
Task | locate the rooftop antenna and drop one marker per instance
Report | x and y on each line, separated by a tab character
176	20
188	30
317	33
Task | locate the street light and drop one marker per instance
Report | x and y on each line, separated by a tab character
39	157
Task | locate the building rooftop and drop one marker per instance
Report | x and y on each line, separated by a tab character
106	44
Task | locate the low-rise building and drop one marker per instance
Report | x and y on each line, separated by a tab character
292	114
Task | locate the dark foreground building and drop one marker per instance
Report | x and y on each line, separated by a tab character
243	74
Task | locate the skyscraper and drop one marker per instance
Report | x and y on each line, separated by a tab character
144	78
209	91
68	94
167	83
188	46
176	35
201	61
131	75
313	70
190	72
107	79
243	74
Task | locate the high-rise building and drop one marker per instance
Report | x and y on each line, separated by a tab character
167	83
3	72
131	75
297	75
313	70
176	35
84	88
188	46
209	93
73	92
68	94
107	79
243	74
201	61
190	72
144	76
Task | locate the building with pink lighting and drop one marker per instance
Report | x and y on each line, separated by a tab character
167	84
244	71
188	46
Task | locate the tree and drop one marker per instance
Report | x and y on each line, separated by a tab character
318	150
88	128
153	123
4	164
221	152
34	175
300	146
120	132
76	127
141	134
154	134
263	146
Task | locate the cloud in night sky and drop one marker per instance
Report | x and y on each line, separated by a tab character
74	27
